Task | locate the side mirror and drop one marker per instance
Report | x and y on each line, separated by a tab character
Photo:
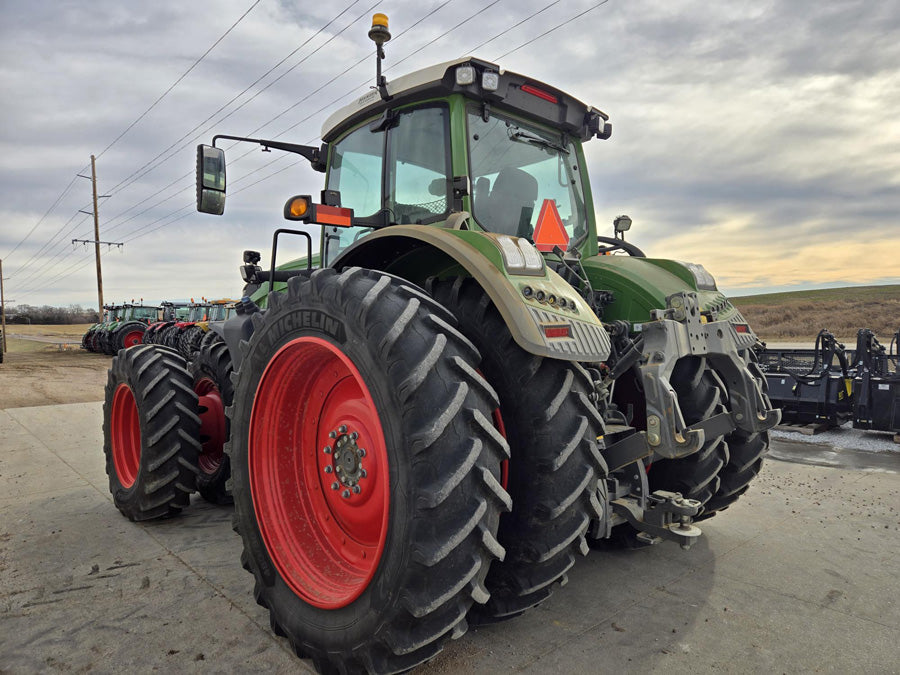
210	180
622	224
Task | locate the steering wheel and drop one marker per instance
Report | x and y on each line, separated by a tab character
613	244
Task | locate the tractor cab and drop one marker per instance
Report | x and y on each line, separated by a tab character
460	145
502	158
145	314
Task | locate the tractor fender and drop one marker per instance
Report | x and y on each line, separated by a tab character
418	252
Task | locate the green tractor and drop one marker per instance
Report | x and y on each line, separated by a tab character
90	339
127	327
435	414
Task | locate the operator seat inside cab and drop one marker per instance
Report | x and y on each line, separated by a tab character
511	203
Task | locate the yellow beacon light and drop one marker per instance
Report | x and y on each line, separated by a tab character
379	32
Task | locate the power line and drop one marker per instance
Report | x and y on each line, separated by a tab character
499	35
123	184
364	59
46	213
49	242
545	33
183	75
63	251
143	230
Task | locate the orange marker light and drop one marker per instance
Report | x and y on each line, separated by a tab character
299	206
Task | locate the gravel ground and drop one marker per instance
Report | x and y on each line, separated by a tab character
844	438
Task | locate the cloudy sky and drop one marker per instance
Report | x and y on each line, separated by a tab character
761	139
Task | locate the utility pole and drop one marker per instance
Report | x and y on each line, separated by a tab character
2	311
97	237
96	241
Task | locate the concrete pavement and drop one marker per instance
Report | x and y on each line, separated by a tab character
800	576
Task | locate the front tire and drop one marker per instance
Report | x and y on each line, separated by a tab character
362	372
150	429
745	460
555	463
701	395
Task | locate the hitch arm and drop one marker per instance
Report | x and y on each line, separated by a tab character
668	516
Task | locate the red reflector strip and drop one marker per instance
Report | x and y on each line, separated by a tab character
741	328
556	330
540	93
333	215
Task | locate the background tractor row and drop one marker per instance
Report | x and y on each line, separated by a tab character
431	416
122	326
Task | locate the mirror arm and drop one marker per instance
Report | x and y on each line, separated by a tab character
314	155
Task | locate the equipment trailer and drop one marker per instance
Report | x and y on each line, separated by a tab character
432	417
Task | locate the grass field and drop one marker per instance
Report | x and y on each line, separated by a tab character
799	315
794	316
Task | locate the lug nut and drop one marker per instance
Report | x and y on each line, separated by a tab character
363	473
343	428
346	494
328	468
332	434
356	489
340	469
335	485
354	436
362	452
327	449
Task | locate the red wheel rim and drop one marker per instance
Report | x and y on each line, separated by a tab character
318	470
212	425
125	435
133	338
504	465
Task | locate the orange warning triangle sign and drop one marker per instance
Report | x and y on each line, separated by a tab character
549	231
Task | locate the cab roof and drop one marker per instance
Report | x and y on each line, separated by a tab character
525	95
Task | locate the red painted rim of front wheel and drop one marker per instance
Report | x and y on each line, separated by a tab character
125	435
497	418
132	338
318	469
212	425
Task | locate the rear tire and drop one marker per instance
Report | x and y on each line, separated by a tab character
555	463
129	334
189	341
377	588
150	429
211	371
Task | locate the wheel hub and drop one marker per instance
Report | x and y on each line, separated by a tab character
346	461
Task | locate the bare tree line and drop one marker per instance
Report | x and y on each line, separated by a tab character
47	314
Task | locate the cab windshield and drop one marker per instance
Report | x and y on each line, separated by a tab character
143	313
515	168
217	313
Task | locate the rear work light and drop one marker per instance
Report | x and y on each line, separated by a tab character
540	93
465	75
